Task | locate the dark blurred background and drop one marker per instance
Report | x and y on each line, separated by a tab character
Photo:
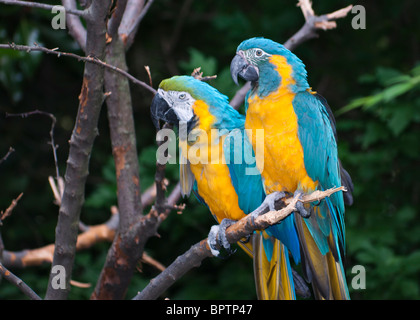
371	79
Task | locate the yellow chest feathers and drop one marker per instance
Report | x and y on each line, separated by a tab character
282	167
209	167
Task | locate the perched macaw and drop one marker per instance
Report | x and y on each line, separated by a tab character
222	178
300	155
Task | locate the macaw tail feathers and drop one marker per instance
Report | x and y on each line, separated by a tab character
272	269
323	269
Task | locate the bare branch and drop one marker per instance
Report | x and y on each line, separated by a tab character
244	227
57	188
81	143
153	262
116	17
52	143
74	25
90	59
198	74
49	7
11	150
22	286
8	211
35	257
132	11
129	34
124	253
314	23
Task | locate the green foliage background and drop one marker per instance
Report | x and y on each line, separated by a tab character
370	77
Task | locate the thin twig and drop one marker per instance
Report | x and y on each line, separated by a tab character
198	74
11	150
54	121
75	56
22	286
149	74
8	211
49	7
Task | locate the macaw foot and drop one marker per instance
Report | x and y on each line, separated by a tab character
299	205
245	239
217	237
268	203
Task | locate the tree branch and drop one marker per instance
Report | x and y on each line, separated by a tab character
11	150
22	286
89	58
124	253
49	7
129	31
309	30
75	26
132	11
242	228
35	257
88	238
81	143
145	228
116	17
52	143
314	23
8	211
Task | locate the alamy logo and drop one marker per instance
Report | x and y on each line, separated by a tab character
58	281
358	281
59	20
359	20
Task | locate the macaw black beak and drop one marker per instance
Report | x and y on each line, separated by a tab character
240	67
160	110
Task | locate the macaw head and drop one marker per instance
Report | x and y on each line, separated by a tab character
265	62
183	98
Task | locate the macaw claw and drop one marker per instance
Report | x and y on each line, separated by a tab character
269	204
217	238
299	205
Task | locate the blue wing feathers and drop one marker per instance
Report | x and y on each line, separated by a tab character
316	131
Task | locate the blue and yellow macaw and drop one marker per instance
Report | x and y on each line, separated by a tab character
300	154
222	177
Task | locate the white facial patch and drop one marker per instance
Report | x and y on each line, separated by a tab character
180	101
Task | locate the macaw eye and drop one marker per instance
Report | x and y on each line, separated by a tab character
182	96
258	53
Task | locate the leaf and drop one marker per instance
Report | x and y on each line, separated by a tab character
400	120
396	90
198	59
374	132
384	74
